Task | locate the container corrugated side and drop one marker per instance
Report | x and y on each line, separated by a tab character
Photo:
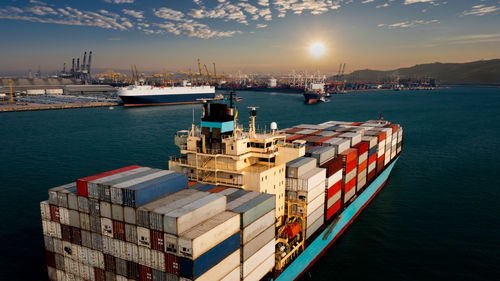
92	186
252	246
221	269
242	200
116	190
103	188
309	180
299	166
266	266
257	227
192	269
233	275
256	259
255	208
316	214
308	196
314	227
146	192
184	218
204	236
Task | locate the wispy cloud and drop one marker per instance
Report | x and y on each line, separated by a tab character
409	2
481	10
133	13
408	24
119	1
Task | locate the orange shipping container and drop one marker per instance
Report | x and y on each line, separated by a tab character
362	166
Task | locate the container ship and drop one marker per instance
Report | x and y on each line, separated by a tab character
143	95
315	92
236	204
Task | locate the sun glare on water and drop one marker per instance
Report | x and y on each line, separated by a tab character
317	49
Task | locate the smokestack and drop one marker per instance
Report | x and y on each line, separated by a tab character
84	61
73	66
90	59
64	68
77	64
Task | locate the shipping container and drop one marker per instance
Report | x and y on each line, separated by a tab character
256	259
241	200
233	275
257	227
220	270
206	235
308	181
255	208
299	167
182	219
192	269
116	189
81	184
98	193
314	227
252	246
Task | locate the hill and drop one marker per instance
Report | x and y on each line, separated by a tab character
480	72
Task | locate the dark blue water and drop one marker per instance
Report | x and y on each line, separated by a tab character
437	218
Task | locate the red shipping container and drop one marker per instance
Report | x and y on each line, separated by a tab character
334	189
157	240
66	232
350	185
394	127
76	236
109	263
190	183
317	132
333	209
172	264
380	163
321	141
350	166
332	166
372	158
362	166
293	130
371	174
145	273
99	274
132	270
81	184
217	189
51	258
349	154
381	136
362	147
119	230
54	213
356	124
295	137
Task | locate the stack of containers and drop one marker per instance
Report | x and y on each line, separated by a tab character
362	148
400	140
89	235
340	144
388	144
322	154
333	185
395	136
380	147
349	173
305	184
372	155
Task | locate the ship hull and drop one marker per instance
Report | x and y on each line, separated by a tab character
312	98
327	237
170	99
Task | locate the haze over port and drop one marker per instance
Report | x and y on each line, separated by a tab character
268	36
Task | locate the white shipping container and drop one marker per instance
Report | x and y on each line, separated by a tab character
45	210
121	278
190	215
129	215
171	243
252	246
394	141
333	179
334	199
107	227
60	275
311	207
105	209
266	266
352	174
158	260
371	140
257	227
349	194
233	275
354	138
117	212
340	144
320	211
35	92
372	166
84	221
387	159
108	246
143	237
144	256
58	246
208	234
381	144
314	227
300	167
363	157
256	259
308	181
54	229
398	150
132	252
308	196
228	191
63	216
45	228
92	186
84	271
169	207
361	183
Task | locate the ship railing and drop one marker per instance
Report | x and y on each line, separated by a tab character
179	159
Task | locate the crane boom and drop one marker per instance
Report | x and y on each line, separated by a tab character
199	68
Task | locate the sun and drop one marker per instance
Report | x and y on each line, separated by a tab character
317	49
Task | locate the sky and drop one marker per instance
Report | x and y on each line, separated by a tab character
246	35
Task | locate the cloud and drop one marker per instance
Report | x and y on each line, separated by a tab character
481	10
119	1
382	6
409	2
261	25
133	13
408	24
314	7
194	29
223	11
367	1
169	14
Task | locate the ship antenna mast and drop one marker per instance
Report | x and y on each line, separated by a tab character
253	114
380	118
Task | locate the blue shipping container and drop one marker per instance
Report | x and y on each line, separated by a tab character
236	195
193	269
202	187
145	192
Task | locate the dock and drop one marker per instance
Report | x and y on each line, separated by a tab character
34	106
